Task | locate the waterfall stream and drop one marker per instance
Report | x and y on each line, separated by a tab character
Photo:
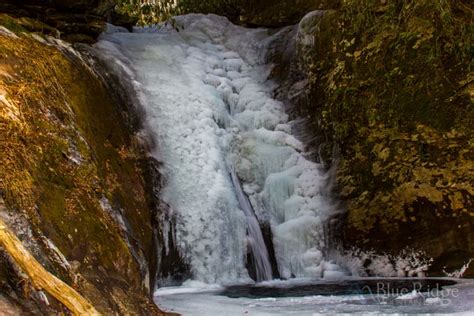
209	105
256	242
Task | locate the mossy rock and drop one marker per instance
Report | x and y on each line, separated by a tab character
72	166
391	87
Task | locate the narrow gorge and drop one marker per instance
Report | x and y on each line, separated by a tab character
269	158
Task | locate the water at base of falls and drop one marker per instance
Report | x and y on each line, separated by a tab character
311	297
209	108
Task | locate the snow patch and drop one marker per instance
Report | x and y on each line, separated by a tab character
408	263
460	272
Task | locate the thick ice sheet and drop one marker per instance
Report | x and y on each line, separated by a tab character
194	299
209	107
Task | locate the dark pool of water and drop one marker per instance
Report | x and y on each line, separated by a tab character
343	287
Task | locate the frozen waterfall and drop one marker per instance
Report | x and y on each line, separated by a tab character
256	241
209	108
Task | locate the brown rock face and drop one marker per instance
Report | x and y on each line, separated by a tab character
72	179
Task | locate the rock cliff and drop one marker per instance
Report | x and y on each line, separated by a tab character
72	178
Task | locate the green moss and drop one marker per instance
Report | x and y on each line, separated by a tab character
391	85
66	147
11	24
23	24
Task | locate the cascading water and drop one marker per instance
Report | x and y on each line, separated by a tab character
256	242
209	106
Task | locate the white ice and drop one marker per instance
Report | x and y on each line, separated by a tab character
209	107
201	300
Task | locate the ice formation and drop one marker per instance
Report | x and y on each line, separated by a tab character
407	263
209	108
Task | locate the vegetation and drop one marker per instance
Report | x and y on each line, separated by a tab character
263	12
151	11
147	12
392	85
67	153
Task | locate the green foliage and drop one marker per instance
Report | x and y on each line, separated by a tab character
147	12
150	11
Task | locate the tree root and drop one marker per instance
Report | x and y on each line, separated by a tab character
41	278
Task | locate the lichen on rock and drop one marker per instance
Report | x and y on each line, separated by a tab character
390	86
66	146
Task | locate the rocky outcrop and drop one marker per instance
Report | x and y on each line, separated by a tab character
72	179
390	87
73	21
